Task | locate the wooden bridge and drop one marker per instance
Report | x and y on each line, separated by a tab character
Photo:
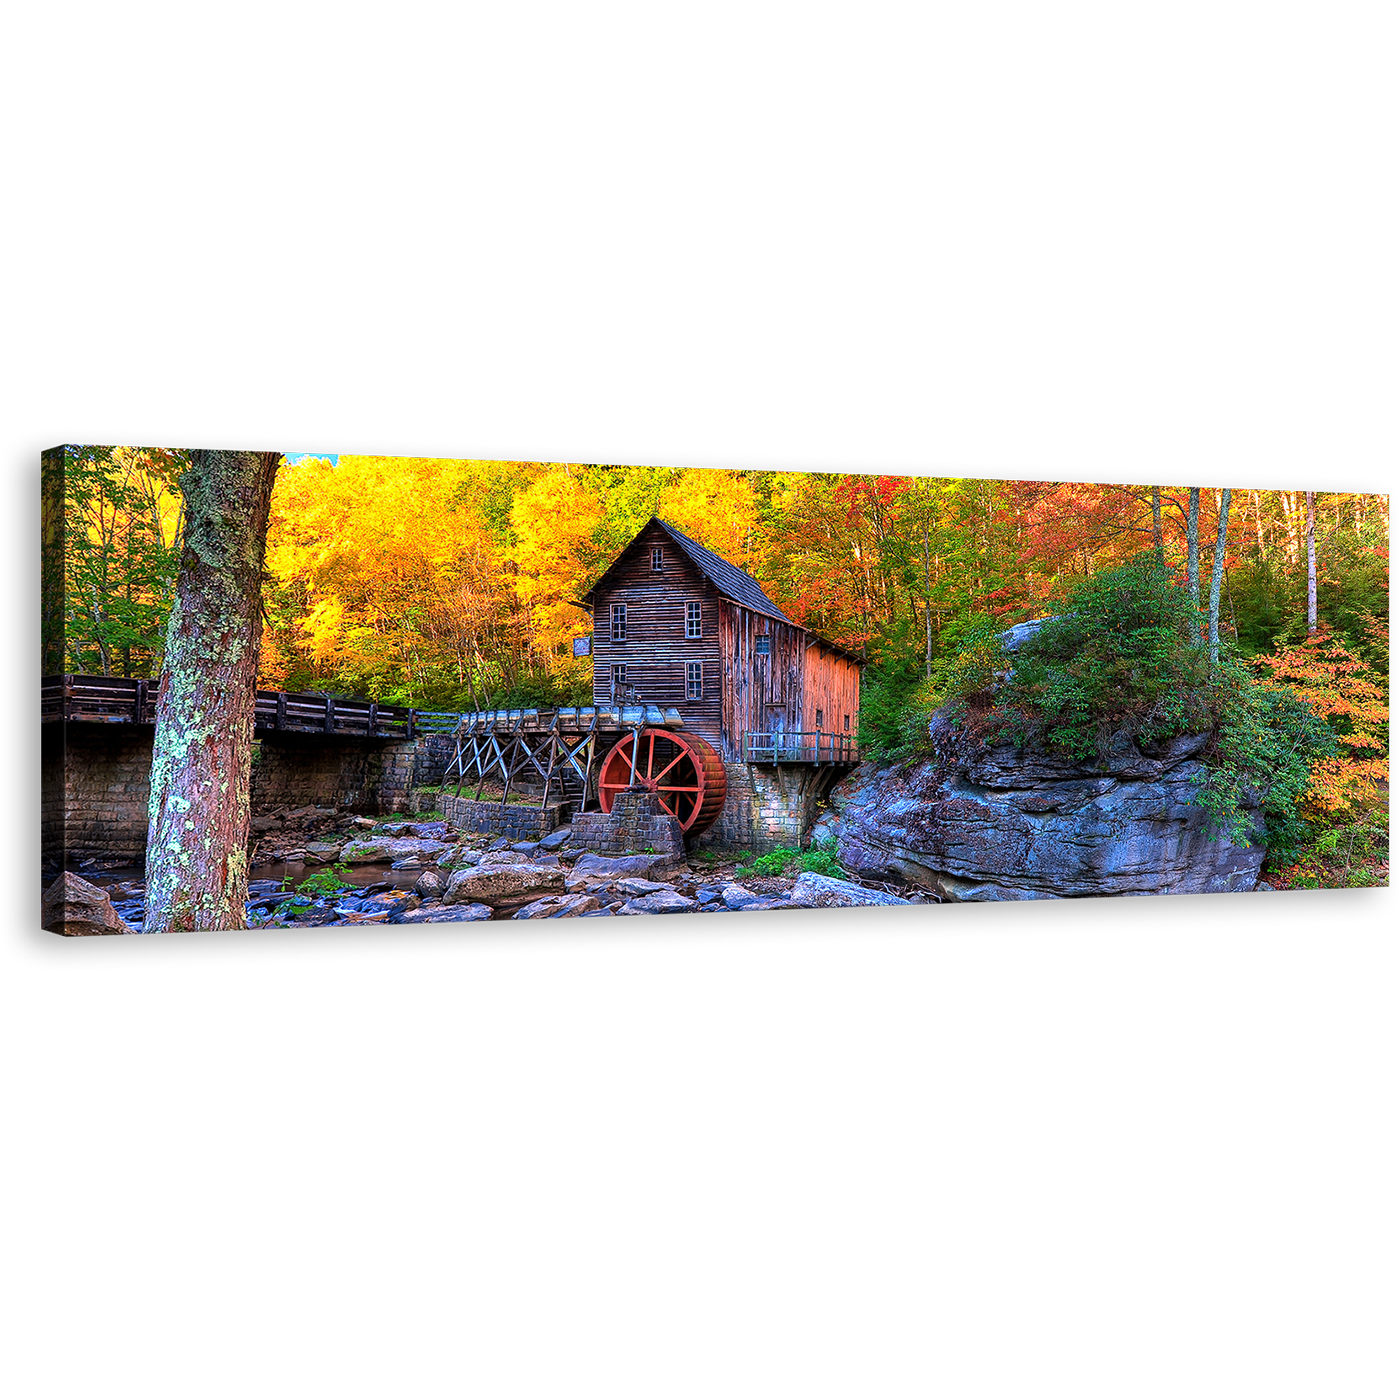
117	700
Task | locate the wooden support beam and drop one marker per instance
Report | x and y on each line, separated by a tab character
281	721
330	714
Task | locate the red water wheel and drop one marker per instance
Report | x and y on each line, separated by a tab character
684	772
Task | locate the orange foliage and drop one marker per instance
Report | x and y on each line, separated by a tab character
1346	692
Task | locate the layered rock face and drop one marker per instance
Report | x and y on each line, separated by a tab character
1007	824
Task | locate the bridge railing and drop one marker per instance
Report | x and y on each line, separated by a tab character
118	700
801	746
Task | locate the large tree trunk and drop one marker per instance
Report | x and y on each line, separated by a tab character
197	849
1217	570
1312	564
1193	557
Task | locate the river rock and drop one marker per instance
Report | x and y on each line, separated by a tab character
646	866
558	906
324	851
503	886
823	892
444	914
387	849
557	839
429	831
737	897
1006	824
430	884
77	909
664	901
631	885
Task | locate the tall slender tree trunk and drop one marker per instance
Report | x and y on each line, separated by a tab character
197	848
1157	526
1312	563
1217	571
1193	557
928	609
1258	524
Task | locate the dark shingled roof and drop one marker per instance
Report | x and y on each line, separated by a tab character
733	582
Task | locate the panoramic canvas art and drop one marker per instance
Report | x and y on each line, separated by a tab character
298	690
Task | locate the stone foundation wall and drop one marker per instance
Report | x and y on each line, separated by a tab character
96	787
96	792
431	757
768	807
637	822
512	819
296	770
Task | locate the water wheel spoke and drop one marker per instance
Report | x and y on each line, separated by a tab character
682	754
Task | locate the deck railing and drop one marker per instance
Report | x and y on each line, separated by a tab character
801	746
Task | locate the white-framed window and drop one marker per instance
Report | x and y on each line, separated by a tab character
619	676
819	719
692	620
694	680
619	622
656	558
761	645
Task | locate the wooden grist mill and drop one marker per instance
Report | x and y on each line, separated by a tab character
588	755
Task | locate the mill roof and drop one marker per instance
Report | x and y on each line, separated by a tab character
733	582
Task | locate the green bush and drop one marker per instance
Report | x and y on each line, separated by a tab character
1125	654
326	882
820	859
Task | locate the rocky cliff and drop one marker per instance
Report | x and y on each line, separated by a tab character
1009	824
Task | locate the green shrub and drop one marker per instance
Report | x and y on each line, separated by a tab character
326	882
820	859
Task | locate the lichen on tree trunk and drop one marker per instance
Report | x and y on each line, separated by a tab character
197	847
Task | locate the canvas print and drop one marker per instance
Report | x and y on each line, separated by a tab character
299	690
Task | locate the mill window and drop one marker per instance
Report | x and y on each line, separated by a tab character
819	719
619	678
694	680
656	558
848	722
760	645
619	622
692	619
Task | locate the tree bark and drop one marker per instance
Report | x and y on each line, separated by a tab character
1193	557
197	848
1312	564
1217	570
1157	526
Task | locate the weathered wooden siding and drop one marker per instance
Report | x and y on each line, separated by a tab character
657	649
831	685
758	691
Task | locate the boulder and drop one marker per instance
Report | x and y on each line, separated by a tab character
1005	824
324	851
444	914
646	866
75	908
557	839
430	884
364	823
558	906
737	897
631	885
428	831
503	886
525	848
386	849
823	892
261	824
664	901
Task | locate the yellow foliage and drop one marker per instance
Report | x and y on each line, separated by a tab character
716	508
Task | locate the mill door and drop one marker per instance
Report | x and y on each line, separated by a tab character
777	727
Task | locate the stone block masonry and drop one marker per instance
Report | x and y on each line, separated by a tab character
96	784
769	807
637	822
511	819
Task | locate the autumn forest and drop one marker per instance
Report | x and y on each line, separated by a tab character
453	584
